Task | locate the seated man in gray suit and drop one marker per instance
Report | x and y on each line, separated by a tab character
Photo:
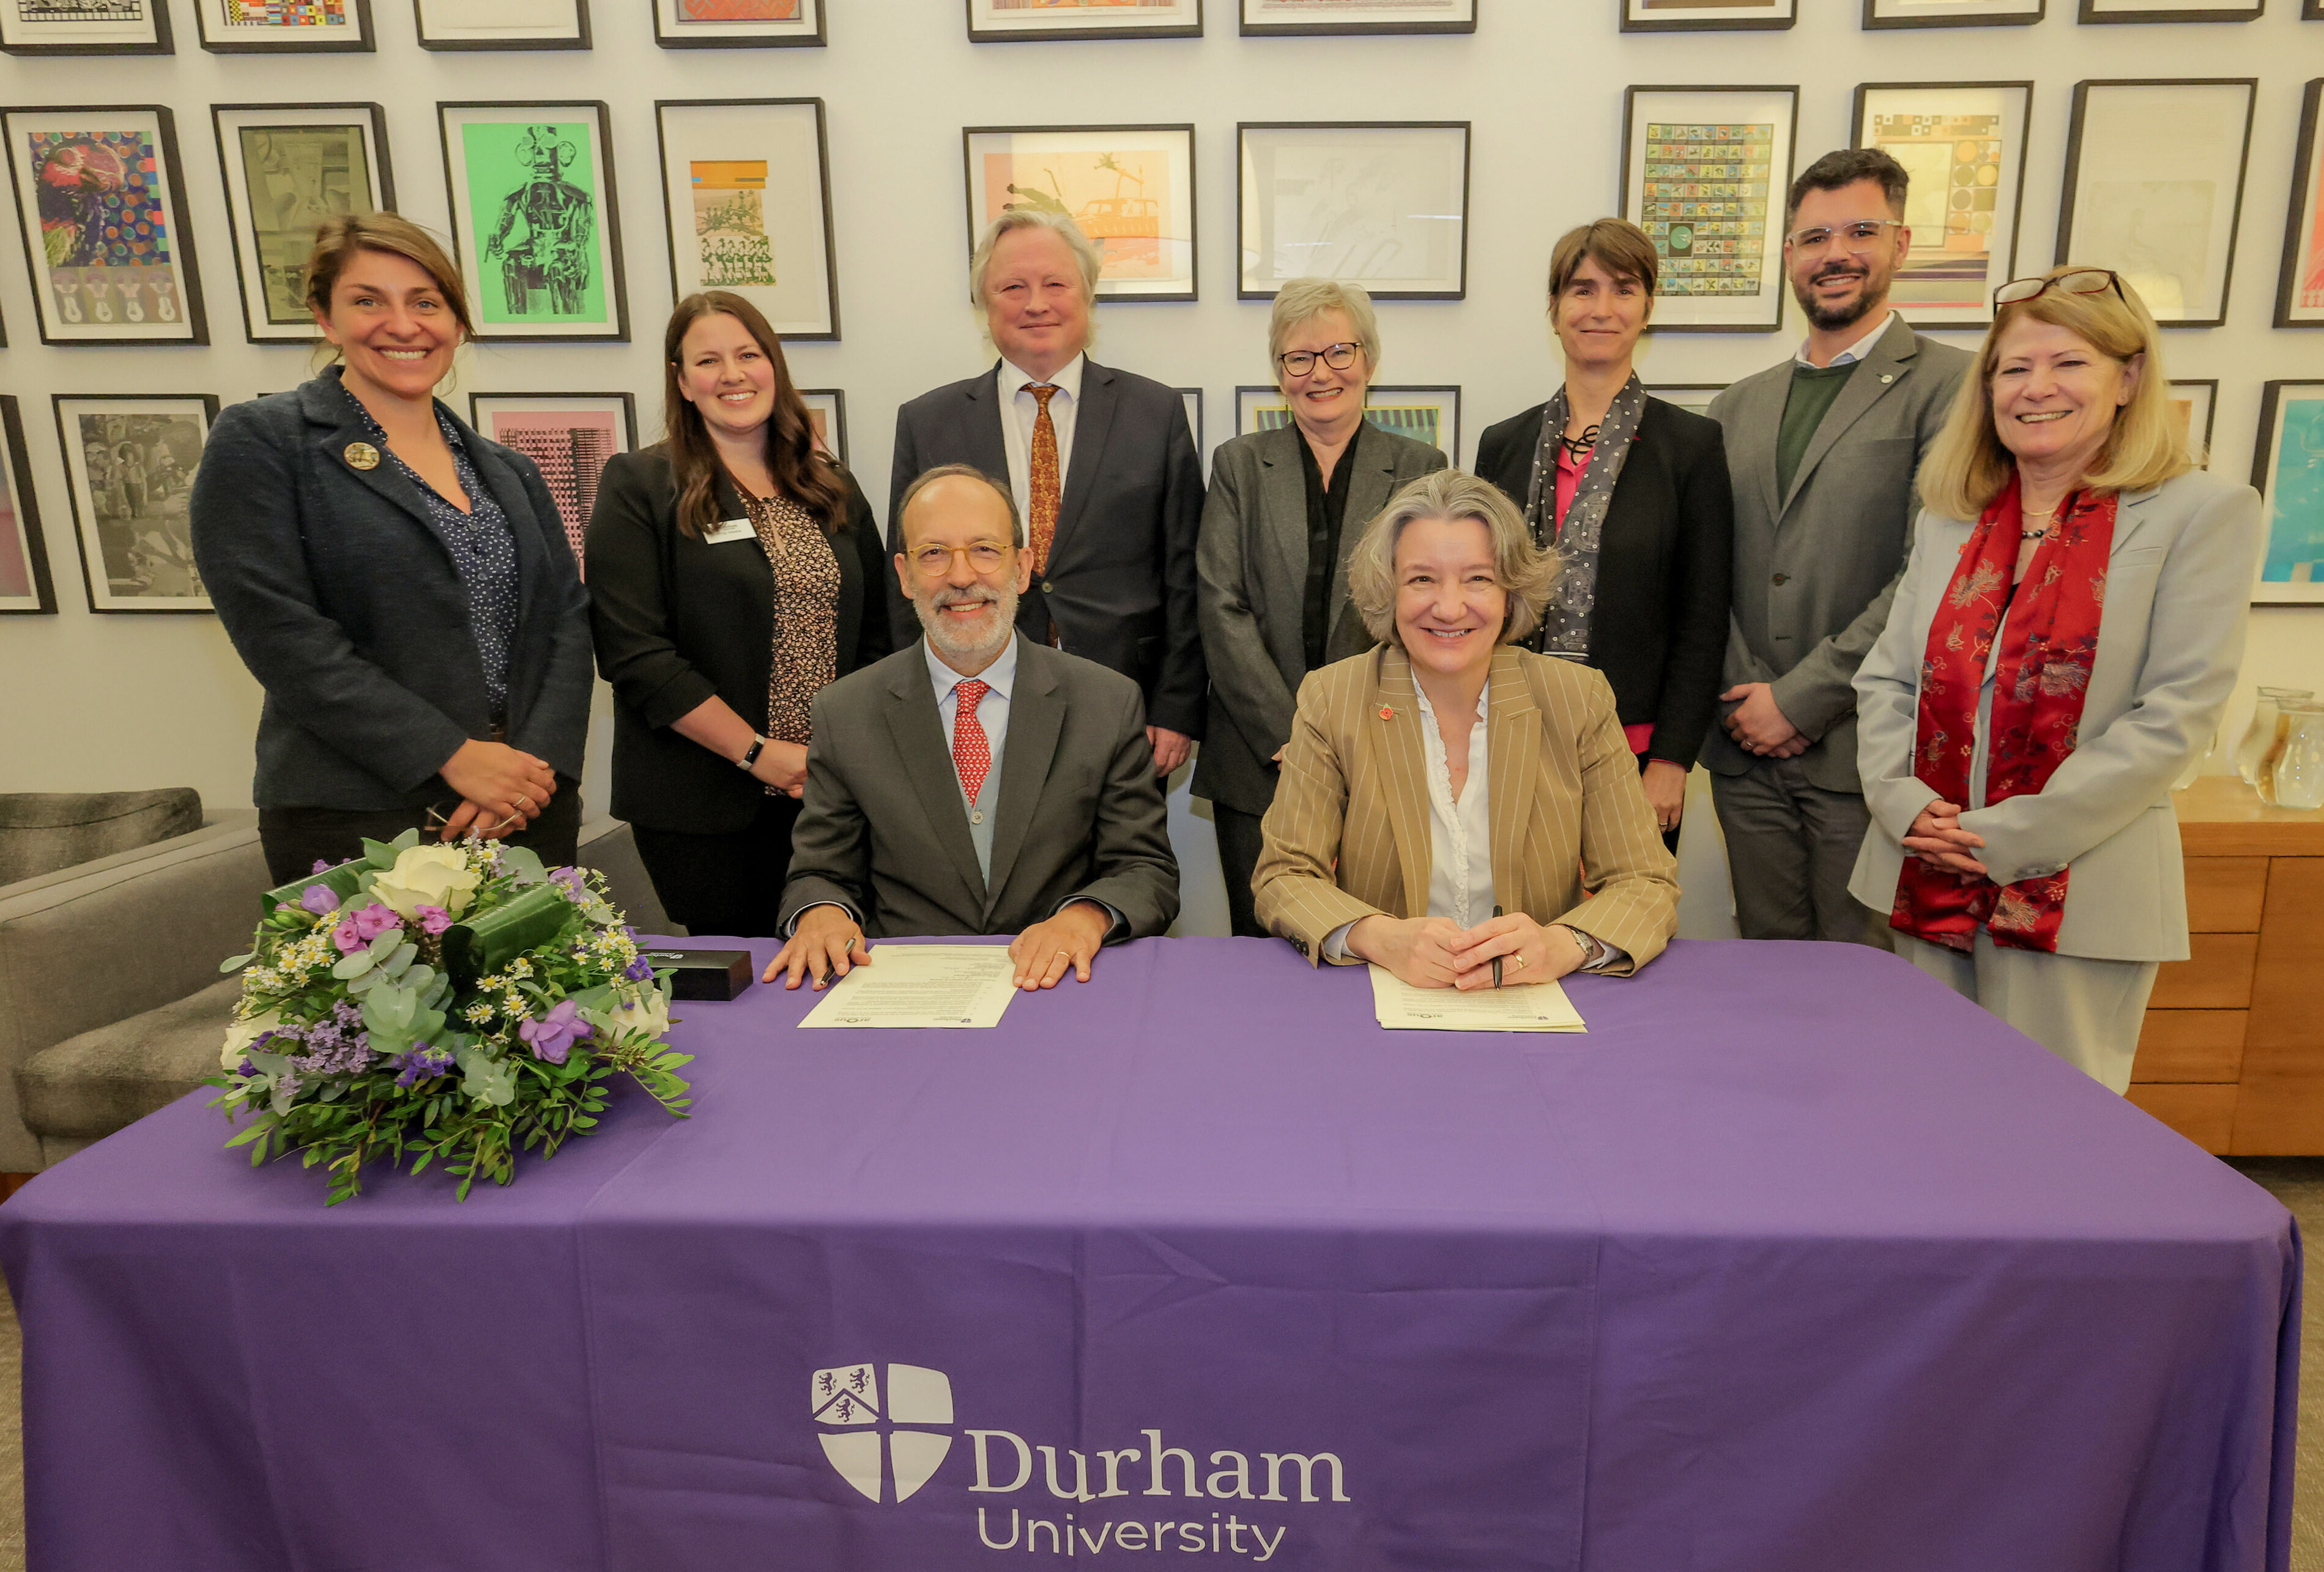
976	782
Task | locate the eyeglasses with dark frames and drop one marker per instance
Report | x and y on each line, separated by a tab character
1860	237
1298	362
2075	282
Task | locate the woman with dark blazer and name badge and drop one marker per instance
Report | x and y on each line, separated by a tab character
2064	637
400	586
734	572
1634	494
1284	508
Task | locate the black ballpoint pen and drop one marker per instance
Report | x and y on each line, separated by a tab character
1497	960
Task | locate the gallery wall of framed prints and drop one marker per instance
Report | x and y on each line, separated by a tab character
831	161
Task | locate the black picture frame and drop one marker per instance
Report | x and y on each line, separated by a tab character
1779	181
609	222
1864	90
20	494
838	421
2092	13
579	42
2305	194
162	42
817	38
1243	239
173	173
1634	23
1450	407
366	43
662	110
1873	22
253	311
2210	412
2066	195
2264	452
1046	34
1192	292
84	526
1250	29
1193	398
556	469
1664	390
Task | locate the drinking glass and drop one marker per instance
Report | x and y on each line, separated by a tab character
2299	778
2256	754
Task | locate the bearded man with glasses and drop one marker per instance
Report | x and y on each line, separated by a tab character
1821	451
977	781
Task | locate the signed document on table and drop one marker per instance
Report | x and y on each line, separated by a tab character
922	984
1538	1007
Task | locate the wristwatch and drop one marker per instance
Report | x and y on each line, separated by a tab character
1592	950
750	756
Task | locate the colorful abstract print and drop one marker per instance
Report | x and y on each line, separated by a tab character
103	232
286	13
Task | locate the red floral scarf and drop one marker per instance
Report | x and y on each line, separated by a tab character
2039	684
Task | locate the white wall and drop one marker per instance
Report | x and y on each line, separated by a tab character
121	701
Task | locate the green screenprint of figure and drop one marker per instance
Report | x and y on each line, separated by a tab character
546	235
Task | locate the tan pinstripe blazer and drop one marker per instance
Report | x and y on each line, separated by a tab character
1568	813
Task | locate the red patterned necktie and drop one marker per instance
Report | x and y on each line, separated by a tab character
1042	506
972	750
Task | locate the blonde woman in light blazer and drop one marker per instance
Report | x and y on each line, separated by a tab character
1447	773
2065	639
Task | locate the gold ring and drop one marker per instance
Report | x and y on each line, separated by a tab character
1520	961
1067	953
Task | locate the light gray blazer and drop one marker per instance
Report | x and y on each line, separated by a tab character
2171	640
1814	568
1250	566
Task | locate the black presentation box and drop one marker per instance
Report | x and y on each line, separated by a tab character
702	974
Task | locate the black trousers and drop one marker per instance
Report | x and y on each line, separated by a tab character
724	884
295	839
1240	842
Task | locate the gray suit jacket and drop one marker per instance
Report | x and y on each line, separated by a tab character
882	831
1251	584
1815	570
2171	640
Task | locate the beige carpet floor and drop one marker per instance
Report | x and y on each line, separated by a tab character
2297	1182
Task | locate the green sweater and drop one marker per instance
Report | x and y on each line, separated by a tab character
1814	388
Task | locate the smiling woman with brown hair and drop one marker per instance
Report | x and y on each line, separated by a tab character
2063	640
400	586
734	571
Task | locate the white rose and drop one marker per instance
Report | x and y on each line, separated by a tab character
427	876
241	1035
649	1012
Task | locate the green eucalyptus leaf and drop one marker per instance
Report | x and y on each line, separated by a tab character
235	963
353	965
378	853
523	864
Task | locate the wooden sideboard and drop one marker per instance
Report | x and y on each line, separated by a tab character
2232	1053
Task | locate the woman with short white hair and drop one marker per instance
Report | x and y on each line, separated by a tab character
2064	637
1284	505
1454	807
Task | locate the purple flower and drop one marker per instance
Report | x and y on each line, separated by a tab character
347	937
552	1036
374	920
322	865
433	920
320	899
573	881
246	1068
639	970
333	1050
422	1063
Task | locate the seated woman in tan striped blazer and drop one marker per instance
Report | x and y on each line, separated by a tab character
1402	824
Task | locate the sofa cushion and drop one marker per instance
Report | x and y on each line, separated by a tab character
96	1083
41	831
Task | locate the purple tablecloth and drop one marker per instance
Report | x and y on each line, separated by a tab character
1795	1261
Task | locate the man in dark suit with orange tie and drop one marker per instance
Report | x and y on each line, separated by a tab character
1101	464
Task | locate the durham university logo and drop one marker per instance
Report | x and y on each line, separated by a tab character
863	1422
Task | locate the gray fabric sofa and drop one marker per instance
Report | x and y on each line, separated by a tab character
46	832
111	1004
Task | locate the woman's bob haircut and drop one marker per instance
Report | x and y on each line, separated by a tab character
1520	566
1967	467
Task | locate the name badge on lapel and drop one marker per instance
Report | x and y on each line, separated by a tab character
733	529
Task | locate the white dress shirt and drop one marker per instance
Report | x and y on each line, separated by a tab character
992	710
1854	352
1017	434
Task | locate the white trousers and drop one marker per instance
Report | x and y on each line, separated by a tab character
2086	1012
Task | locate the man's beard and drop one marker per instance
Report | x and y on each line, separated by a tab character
958	645
1826	319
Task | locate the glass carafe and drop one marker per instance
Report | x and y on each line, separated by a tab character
2298	776
2256	754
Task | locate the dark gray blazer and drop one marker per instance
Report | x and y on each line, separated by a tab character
882	831
1816	570
344	602
1120	577
1251	567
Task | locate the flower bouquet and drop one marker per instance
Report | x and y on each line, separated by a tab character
445	1004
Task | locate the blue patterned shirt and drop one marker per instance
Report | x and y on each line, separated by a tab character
483	548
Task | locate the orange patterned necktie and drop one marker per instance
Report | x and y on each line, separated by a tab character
1042	506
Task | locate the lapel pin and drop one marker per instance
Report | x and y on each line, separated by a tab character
1387	714
1887	377
361	455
